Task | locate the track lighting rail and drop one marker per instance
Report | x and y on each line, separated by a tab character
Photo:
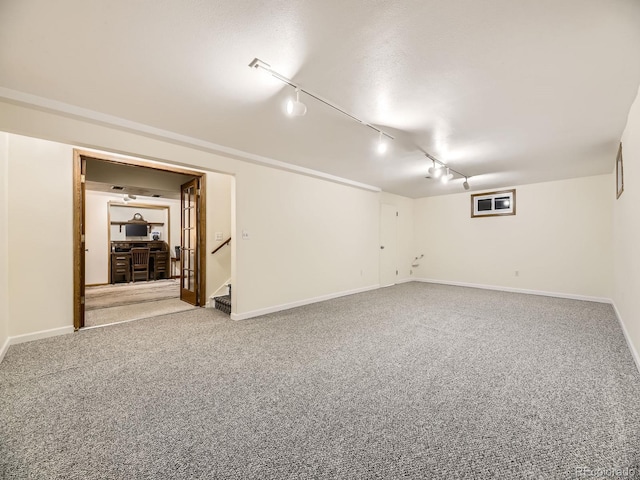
444	165
259	64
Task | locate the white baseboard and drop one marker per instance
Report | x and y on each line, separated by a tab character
4	348
634	352
571	296
29	337
299	303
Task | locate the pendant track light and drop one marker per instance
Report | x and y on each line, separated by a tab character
434	171
447	176
444	172
382	145
296	107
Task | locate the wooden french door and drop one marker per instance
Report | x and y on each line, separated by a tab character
79	173
189	239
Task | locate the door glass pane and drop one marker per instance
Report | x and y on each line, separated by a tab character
189	239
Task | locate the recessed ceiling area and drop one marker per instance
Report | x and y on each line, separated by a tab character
504	92
103	176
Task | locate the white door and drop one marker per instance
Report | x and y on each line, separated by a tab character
388	244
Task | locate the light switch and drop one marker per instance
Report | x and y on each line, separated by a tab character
218	236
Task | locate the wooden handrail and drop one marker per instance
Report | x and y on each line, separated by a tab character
226	242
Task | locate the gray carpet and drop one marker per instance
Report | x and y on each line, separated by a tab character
411	381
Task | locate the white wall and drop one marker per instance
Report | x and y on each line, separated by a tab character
559	241
4	243
626	233
309	237
219	215
40	236
406	251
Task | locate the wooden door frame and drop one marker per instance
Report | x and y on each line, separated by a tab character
79	221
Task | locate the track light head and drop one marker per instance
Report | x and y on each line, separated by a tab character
431	170
296	108
382	145
447	176
440	170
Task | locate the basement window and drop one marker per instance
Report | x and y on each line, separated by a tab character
492	204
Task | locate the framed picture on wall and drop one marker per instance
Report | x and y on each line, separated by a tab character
619	173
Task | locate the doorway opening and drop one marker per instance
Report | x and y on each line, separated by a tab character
142	255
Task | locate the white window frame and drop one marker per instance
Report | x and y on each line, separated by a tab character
476	198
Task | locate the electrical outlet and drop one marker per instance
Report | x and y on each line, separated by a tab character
517	273
245	235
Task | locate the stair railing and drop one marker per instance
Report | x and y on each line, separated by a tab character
226	242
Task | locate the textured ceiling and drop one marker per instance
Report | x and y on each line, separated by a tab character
505	92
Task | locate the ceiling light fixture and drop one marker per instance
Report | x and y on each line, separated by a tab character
444	172
260	65
296	107
382	145
448	176
435	171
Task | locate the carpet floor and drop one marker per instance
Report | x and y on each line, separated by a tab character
410	381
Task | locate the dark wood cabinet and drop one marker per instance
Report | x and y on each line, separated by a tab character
159	258
120	267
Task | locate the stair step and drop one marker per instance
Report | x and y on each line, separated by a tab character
223	303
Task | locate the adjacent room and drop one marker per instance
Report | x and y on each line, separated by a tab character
319	239
131	213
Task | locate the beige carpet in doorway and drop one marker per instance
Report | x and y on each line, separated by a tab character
123	302
125	313
119	294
